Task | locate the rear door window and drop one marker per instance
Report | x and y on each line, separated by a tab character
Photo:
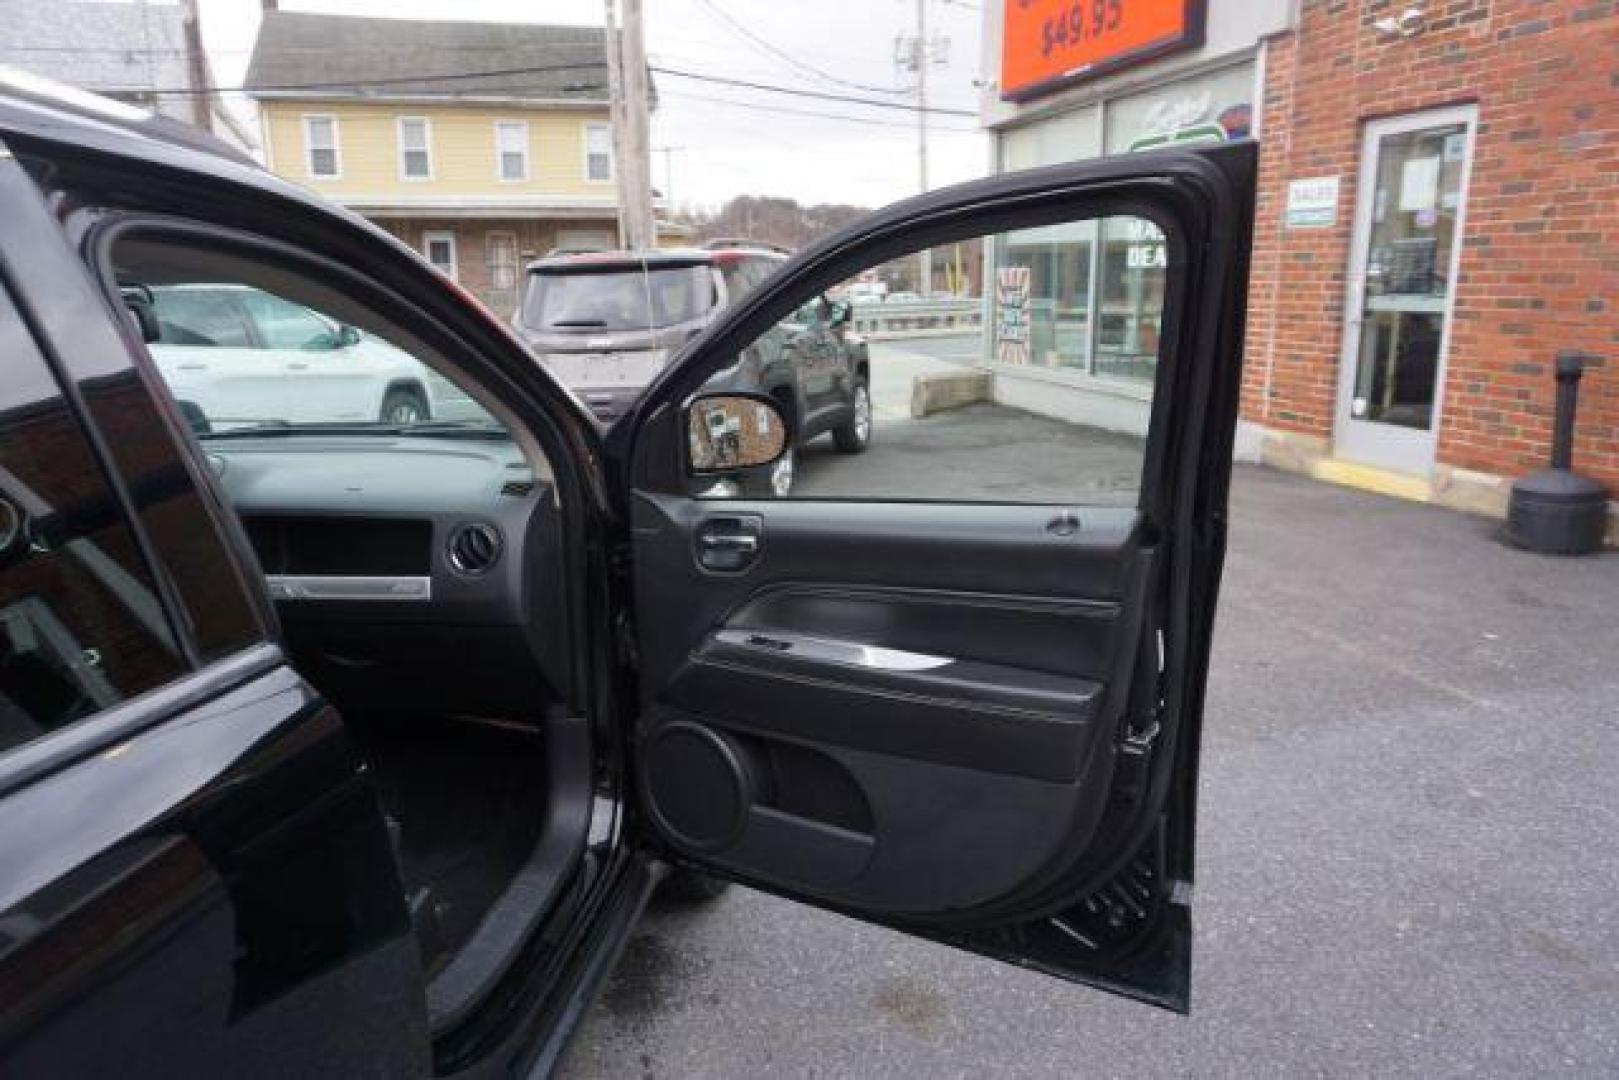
81	623
200	317
284	325
617	299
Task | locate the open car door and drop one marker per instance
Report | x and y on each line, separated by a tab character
953	684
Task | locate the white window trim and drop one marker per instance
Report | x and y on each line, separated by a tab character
584	162
399	140
528	152
337	147
448	235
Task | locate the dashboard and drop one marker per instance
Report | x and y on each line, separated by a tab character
417	572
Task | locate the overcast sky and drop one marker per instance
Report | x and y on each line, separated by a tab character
734	141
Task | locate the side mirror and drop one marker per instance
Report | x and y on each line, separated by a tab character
347	335
730	432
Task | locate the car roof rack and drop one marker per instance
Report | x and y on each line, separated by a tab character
725	243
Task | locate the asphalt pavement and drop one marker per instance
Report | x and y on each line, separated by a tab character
1407	855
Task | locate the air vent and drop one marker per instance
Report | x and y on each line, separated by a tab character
474	548
517	488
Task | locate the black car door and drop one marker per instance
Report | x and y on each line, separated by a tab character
955	684
195	874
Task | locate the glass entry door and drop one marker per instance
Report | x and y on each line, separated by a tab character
1408	226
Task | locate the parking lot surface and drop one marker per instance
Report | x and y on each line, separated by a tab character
1407	837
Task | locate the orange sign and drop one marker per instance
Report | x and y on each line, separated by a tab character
1050	43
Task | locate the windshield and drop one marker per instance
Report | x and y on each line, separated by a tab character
623	299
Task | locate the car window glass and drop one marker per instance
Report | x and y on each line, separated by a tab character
738	279
281	324
199	317
81	624
618	299
1020	370
759	270
383	382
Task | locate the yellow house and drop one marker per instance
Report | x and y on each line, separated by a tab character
482	145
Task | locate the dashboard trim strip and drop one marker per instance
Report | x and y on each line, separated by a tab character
392	589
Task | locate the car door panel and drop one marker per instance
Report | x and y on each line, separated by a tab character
973	722
169	902
932	702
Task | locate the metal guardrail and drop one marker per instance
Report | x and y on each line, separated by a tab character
896	318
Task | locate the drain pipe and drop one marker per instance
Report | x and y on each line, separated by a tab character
1556	511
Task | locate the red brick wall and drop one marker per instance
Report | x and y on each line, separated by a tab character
1540	259
534	239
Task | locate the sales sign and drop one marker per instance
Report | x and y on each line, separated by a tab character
1012	315
1047	44
1312	203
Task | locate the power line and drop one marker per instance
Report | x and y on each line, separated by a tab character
454	76
788	110
789	58
402	80
820	95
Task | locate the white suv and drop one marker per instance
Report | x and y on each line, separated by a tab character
235	355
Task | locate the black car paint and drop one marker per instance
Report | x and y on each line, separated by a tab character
137	165
215	886
279	762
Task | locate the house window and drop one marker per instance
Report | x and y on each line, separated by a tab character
598	152
321	146
439	247
511	149
415	148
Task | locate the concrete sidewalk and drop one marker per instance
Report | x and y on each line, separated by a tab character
1407	850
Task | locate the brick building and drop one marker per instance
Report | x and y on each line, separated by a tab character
1438	217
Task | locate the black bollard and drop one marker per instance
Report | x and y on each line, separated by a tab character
1556	511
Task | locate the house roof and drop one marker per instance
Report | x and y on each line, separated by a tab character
304	54
127	48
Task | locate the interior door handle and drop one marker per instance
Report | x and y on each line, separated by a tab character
729	543
721	541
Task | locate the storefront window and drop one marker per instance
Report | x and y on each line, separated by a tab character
1055	262
1097	290
1072	136
1206	108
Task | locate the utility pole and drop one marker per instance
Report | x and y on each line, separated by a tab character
915	54
627	83
202	96
924	264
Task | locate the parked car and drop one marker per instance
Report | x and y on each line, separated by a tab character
234	355
356	748
607	323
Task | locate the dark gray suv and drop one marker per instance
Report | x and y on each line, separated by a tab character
605	323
